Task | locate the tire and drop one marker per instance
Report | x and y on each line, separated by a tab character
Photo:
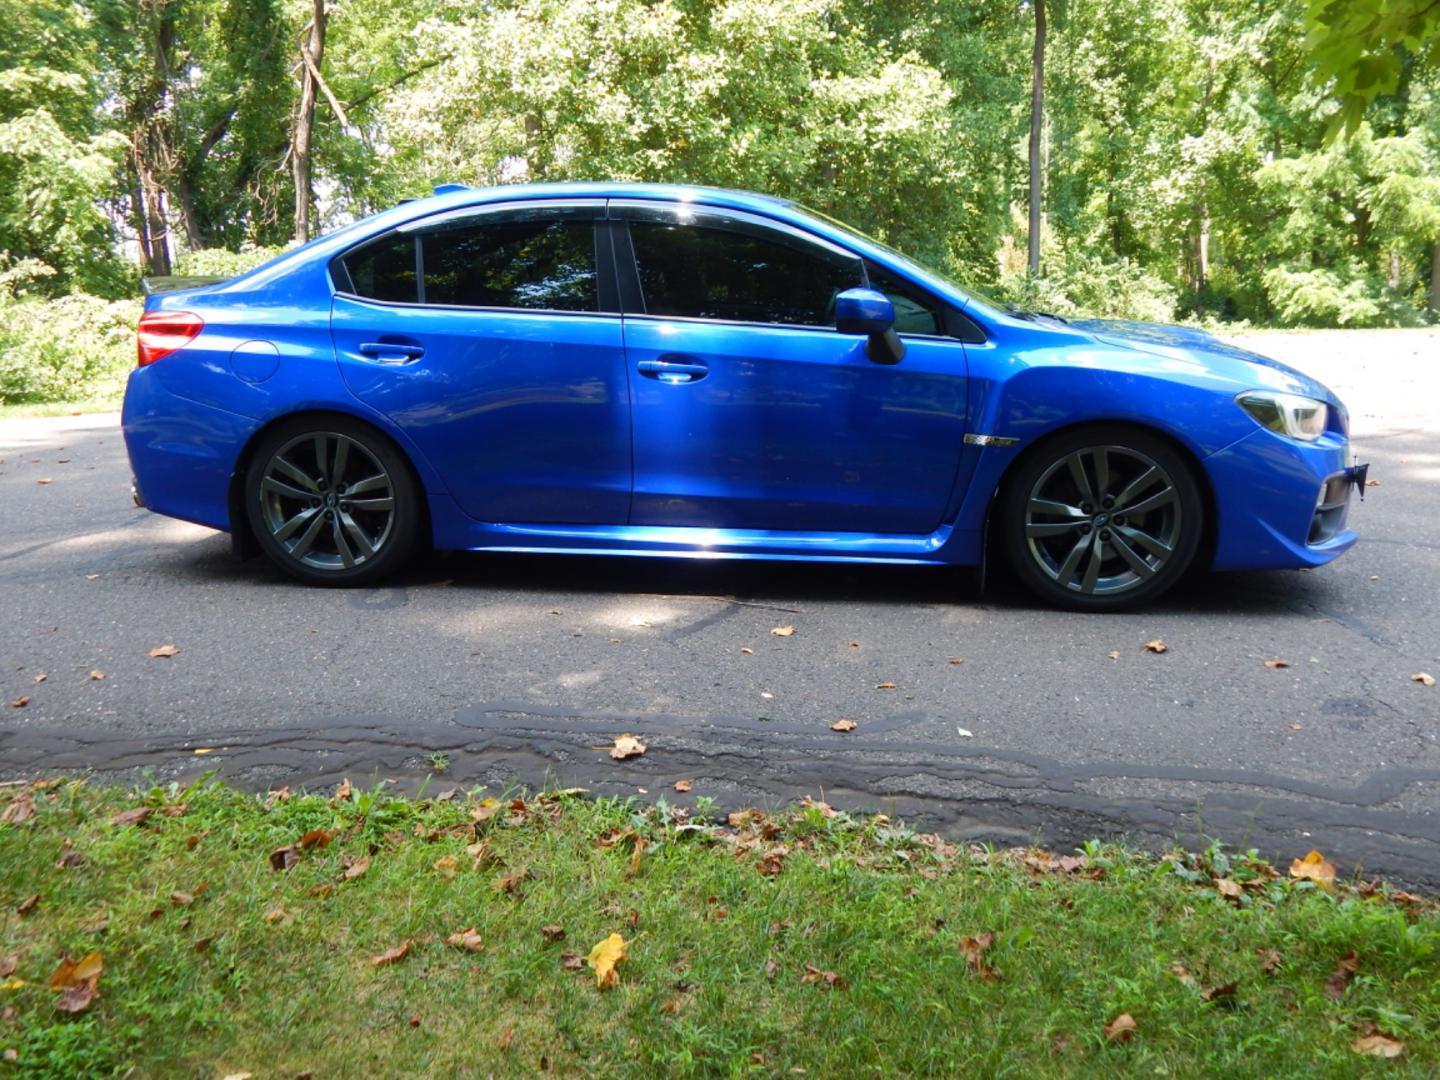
1071	549
295	501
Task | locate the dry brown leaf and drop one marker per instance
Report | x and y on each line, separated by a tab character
466	939
21	701
844	725
1339	979
1228	888
1269	960
553	932
44	480
627	746
957	660
8	963
1276	665
604	958
41	677
131	817
1424	678
343	790
1224	993
505	1036
71	974
884	686
1156	646
355	869
815	975
284	858
746	650
1295	727
1122	1029
974	949
510	883
1314	868
1378	1044
783	631
274	915
316	838
20	808
163	652
1113	654
447	866
682	786
181	899
773	861
640	844
96	675
572	961
391	956
1181	972
27	905
825	809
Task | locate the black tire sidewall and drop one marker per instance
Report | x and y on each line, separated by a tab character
1159	450
405	527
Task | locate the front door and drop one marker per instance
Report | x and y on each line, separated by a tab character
750	410
487	336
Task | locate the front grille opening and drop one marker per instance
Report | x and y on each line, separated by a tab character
1331	508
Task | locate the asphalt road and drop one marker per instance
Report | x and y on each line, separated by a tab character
522	669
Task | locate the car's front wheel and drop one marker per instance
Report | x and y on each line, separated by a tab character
1102	518
331	501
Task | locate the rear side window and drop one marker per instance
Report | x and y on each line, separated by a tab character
384	269
527	261
698	272
546	264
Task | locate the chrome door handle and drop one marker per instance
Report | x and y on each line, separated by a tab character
390	352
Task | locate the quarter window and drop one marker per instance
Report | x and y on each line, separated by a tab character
698	272
384	269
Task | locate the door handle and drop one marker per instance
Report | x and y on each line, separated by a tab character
391	352
673	369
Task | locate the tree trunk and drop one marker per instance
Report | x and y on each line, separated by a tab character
1435	277
1202	249
313	47
157	229
1393	277
1037	123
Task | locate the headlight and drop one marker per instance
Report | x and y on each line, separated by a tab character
1299	417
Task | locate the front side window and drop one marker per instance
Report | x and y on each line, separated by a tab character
521	261
916	311
701	272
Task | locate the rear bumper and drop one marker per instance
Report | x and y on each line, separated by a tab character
182	453
1282	503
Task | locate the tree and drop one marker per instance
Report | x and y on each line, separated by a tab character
1037	125
1360	48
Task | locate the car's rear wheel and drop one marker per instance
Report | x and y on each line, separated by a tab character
1102	518
332	501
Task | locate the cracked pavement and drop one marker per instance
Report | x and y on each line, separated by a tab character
522	669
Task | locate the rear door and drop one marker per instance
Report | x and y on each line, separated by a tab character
490	336
750	410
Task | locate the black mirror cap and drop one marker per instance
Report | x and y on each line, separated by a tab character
886	348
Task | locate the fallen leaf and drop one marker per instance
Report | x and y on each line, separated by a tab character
1339	979
316	838
1276	665
274	915
91	577
1378	1044
505	1036
783	631
21	701
1181	972
1295	727
78	982
682	785
746	650
773	861
815	975
884	686
27	905
343	791
974	949
20	808
201	751
510	883
957	660
203	944
1156	646
163	652
844	725
1122	1029
627	746
572	961
604	958
8	963
553	932
355	869
1424	678
964	733
447	866
466	939
824	808
96	675
391	956
181	899
1220	993
131	817
1269	960
1228	889
1314	868
41	677
284	858
43	480
1113	654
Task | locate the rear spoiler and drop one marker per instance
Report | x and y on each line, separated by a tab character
153	286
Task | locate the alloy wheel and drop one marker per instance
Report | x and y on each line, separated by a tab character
327	501
1103	520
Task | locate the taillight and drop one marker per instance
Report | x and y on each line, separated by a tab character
162	332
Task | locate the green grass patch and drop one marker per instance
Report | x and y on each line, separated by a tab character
757	946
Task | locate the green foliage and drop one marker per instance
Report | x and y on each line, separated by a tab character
217	262
70	348
1326	298
1361	48
1087	285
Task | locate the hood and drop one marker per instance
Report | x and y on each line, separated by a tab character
1202	347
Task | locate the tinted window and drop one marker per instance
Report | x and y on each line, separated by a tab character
916	311
709	273
542	263
384	269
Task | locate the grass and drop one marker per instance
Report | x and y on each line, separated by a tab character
61	408
270	971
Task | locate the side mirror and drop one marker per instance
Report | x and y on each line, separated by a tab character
870	312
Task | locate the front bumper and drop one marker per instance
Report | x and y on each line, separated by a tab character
1282	503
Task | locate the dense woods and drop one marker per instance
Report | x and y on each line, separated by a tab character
1271	161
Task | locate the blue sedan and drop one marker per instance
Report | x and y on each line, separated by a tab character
634	369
